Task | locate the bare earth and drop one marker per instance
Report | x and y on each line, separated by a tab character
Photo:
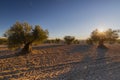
62	62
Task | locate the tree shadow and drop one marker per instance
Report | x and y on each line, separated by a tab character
101	55
10	55
88	68
17	53
101	68
78	70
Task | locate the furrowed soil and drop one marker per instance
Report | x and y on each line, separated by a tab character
62	62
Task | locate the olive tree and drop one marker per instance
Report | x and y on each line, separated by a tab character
89	41
102	37
23	34
57	40
76	41
69	39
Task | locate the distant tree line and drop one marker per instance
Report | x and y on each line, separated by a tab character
67	40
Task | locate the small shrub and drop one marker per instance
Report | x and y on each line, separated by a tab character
69	39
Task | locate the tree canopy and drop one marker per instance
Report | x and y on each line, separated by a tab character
23	34
69	39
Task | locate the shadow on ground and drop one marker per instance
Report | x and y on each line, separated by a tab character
6	54
102	68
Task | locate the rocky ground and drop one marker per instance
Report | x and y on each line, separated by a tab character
62	62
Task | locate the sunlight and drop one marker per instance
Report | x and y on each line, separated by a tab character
101	30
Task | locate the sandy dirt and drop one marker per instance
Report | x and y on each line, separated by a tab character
62	62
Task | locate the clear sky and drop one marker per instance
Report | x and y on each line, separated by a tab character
62	17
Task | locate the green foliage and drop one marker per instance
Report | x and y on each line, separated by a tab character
76	41
39	34
47	41
69	39
112	35
22	33
118	41
96	36
89	41
57	40
52	41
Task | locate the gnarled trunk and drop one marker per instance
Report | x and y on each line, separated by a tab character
101	44
27	48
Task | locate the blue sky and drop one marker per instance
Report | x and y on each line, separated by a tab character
62	17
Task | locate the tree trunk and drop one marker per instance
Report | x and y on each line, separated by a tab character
27	48
101	44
